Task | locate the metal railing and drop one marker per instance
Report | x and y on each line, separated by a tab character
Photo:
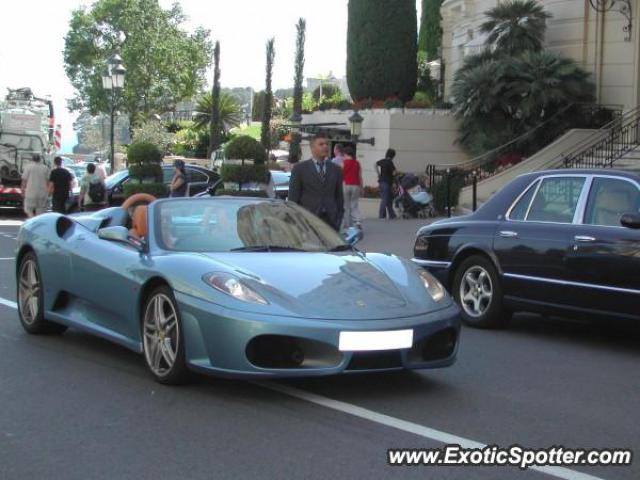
616	140
586	116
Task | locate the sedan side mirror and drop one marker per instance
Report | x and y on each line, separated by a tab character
353	235
631	220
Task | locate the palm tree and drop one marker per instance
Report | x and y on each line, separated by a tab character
215	134
541	83
298	77
230	112
516	26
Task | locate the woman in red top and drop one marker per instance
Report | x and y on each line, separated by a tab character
352	177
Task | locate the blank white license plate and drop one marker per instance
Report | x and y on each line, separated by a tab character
369	341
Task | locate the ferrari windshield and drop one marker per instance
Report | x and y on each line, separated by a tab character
242	225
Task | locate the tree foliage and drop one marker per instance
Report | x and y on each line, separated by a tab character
164	63
430	37
294	147
245	147
229	111
265	134
516	26
215	123
382	49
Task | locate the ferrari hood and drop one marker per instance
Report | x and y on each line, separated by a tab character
325	285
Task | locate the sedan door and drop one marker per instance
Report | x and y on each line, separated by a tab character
198	181
532	242
604	260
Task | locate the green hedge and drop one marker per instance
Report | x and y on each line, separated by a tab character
439	191
146	170
382	49
244	173
158	190
242	193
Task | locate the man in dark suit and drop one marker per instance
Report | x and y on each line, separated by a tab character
316	184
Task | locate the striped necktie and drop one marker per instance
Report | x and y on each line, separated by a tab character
321	170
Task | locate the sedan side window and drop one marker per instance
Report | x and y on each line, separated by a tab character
519	210
196	176
609	199
556	200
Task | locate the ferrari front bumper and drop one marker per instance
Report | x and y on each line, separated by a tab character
221	341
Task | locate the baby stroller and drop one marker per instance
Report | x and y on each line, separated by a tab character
413	200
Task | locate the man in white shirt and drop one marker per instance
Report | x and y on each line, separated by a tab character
35	187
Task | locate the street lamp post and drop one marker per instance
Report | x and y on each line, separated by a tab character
113	82
355	122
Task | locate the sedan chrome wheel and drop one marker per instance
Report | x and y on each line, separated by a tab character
161	334
29	291
476	291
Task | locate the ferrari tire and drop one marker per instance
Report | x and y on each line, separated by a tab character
476	288
162	338
31	298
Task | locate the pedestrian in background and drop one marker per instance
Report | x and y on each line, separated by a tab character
93	192
386	172
179	185
338	155
60	181
35	187
352	175
316	184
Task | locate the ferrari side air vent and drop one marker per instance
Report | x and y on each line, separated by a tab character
63	225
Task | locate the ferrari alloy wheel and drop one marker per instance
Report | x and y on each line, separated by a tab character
31	299
162	338
476	288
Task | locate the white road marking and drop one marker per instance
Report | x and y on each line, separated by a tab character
7	258
11	223
416	429
393	422
8	303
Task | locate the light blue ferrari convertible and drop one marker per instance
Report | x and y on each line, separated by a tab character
231	286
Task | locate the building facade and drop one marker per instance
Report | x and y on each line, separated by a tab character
601	43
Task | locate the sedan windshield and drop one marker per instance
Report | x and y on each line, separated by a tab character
241	225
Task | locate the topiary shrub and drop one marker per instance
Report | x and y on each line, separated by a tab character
145	170
439	191
242	193
244	174
243	148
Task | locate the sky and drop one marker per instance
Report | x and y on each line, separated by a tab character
32	42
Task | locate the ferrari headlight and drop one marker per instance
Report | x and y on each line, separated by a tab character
233	286
433	286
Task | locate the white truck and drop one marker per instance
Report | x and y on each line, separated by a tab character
26	129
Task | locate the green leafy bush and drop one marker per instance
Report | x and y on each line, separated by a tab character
244	173
143	152
245	147
242	193
439	191
158	190
146	170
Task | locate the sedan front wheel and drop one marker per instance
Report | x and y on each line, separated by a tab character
476	288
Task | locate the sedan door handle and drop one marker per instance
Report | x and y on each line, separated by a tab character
508	234
584	238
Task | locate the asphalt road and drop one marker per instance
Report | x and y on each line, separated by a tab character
77	407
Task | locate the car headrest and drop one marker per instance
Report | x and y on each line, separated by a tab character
139	221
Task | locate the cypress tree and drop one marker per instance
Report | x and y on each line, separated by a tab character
214	125
430	37
301	27
265	134
382	49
